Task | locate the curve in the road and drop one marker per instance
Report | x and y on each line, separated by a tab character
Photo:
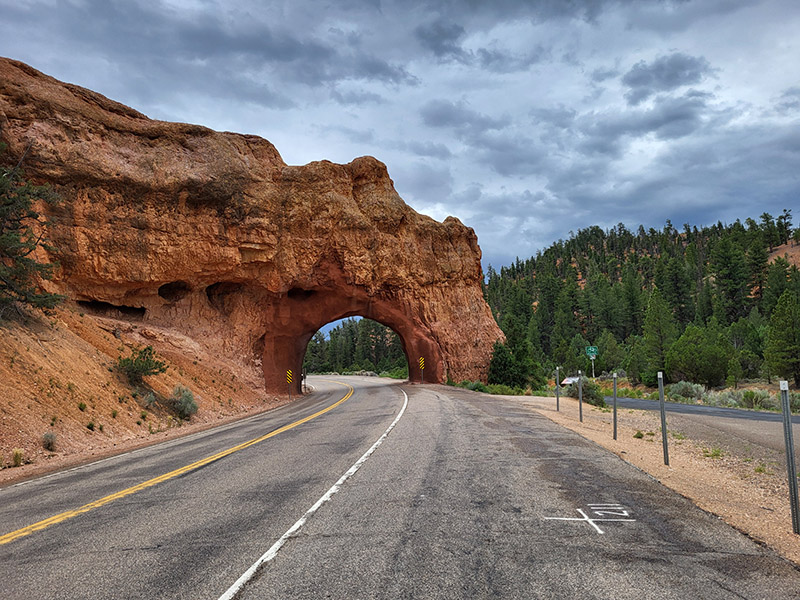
14	535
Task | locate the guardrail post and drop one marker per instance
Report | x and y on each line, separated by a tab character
790	464
558	388
663	417
615	405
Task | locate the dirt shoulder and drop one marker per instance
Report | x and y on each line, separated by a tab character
742	482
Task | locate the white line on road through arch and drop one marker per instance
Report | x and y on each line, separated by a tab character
294	529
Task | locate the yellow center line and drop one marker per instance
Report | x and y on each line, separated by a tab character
14	535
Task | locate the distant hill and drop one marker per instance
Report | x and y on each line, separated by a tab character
594	288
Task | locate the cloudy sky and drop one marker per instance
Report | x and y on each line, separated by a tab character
524	118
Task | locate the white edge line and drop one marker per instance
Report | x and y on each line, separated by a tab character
273	551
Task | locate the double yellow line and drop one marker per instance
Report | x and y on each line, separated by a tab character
14	535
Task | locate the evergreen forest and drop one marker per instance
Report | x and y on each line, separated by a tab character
357	345
704	305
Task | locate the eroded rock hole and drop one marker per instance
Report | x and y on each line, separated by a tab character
220	295
112	310
300	294
172	292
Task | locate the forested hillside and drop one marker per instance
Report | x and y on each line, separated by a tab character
703	305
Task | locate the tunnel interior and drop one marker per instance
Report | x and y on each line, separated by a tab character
296	315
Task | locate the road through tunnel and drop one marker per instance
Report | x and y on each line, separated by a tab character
298	314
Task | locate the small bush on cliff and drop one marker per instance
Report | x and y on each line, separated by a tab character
49	441
21	235
182	402
141	363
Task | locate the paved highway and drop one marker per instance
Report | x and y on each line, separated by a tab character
468	496
701	409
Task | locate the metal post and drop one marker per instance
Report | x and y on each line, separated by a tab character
558	387
663	417
592	357
790	464
615	406
580	397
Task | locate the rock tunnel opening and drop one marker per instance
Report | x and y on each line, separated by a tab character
356	345
296	316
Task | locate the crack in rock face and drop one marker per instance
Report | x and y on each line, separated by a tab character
213	235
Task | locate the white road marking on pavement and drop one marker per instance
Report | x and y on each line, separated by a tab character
593	522
294	529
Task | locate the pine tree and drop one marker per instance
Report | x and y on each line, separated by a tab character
610	354
506	369
696	357
731	281
757	260
678	289
659	334
783	342
784	226
770	231
777	283
20	238
636	359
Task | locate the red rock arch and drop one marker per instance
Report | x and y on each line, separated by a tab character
300	313
214	236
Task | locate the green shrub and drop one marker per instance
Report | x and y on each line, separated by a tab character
591	392
141	363
49	441
686	390
81	406
16	457
638	435
477	386
182	402
90	426
755	399
504	390
725	398
396	373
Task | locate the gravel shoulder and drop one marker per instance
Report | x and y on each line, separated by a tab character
741	479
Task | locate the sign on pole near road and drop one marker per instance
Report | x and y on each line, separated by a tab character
591	351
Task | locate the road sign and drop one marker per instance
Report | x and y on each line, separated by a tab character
289	376
421	362
591	351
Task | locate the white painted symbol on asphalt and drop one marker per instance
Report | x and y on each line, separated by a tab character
601	510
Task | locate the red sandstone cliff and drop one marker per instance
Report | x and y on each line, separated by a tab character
212	234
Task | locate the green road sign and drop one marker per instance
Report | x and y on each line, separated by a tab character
591	351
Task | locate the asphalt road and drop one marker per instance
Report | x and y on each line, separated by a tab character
469	496
700	409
